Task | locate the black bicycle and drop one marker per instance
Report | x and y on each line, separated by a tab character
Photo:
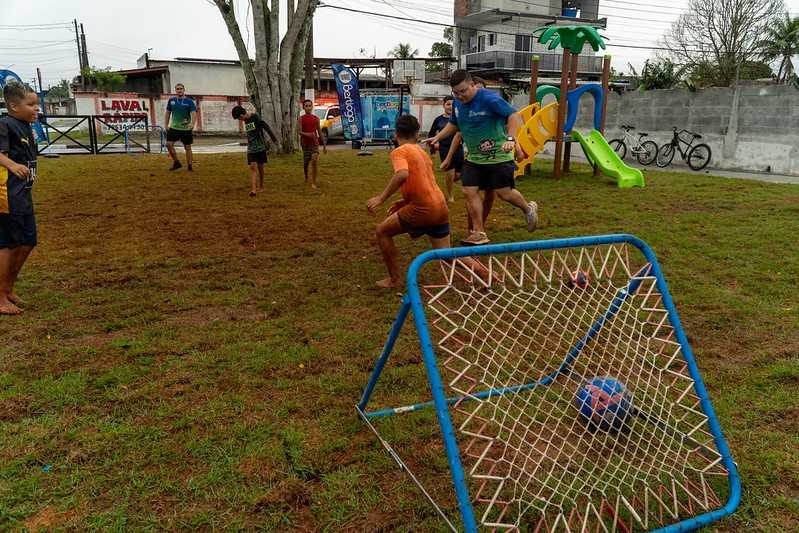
696	155
644	151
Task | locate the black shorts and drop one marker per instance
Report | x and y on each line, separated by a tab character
17	230
437	232
457	160
490	177
256	157
308	152
184	136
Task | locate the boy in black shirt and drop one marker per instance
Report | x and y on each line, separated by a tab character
17	173
256	144
453	171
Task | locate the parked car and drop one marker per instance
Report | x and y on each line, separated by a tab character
329	121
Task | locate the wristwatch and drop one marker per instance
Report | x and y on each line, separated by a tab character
510	138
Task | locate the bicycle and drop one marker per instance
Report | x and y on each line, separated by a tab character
696	156
645	151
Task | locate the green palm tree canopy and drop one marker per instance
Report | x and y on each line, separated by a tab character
781	43
572	38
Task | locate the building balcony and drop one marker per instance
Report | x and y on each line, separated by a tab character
508	61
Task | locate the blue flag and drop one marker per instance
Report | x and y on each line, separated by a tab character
349	100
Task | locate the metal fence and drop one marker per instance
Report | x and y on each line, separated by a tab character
95	134
511	60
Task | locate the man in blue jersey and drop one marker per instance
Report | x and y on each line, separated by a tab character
183	114
484	120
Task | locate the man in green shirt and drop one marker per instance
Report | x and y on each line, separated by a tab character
183	113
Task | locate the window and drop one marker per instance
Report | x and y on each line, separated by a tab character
492	39
481	43
523	43
335	112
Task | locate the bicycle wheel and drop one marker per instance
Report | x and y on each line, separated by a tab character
665	155
648	153
699	156
619	147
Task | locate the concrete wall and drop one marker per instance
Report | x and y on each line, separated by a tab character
748	128
213	111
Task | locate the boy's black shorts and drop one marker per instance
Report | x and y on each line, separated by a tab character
457	160
438	231
17	230
488	177
256	157
184	136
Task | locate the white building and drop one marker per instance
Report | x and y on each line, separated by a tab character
494	37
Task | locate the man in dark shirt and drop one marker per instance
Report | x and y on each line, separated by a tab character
256	144
453	171
17	174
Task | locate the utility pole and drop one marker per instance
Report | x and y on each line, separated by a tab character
83	47
77	41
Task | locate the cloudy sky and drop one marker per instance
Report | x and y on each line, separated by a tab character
117	32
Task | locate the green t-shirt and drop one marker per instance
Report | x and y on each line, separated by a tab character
181	109
483	124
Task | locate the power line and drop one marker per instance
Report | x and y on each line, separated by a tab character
442	24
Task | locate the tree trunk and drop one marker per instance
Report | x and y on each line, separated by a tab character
278	63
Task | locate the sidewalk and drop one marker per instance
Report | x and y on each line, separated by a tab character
681	167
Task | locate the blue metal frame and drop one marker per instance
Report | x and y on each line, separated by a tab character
413	301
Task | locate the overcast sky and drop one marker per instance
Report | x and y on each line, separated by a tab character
117	32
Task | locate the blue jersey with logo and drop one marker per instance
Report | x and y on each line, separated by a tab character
483	124
181	109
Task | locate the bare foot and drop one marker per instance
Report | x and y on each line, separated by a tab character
313	186
388	283
14	299
252	193
451	200
8	308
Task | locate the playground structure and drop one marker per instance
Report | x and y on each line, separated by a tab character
556	121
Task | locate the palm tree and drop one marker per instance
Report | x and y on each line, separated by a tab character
781	42
572	38
403	51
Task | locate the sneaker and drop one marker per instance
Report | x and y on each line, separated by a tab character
176	165
475	238
531	216
190	169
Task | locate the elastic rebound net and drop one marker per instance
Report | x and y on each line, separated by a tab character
520	346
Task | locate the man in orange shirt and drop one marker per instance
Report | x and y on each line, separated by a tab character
423	208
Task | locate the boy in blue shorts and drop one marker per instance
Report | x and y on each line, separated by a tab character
17	174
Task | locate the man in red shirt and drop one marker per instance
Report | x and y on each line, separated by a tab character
310	134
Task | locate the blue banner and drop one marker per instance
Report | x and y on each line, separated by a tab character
349	101
7	76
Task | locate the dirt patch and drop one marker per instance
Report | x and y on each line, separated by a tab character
47	519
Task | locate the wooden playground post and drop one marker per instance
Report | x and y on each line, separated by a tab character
534	77
572	85
564	79
605	93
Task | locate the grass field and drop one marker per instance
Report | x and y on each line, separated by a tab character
190	357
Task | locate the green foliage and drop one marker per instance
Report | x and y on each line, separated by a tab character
103	79
781	43
403	51
449	34
572	38
59	91
441	49
658	74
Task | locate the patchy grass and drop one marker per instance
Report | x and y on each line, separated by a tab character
190	357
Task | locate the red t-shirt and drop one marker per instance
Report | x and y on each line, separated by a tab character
309	124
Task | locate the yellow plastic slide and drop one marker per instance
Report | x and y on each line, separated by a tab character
540	126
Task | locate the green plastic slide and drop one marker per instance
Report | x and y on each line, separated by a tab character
602	155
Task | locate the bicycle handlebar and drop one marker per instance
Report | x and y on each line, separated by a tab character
695	135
